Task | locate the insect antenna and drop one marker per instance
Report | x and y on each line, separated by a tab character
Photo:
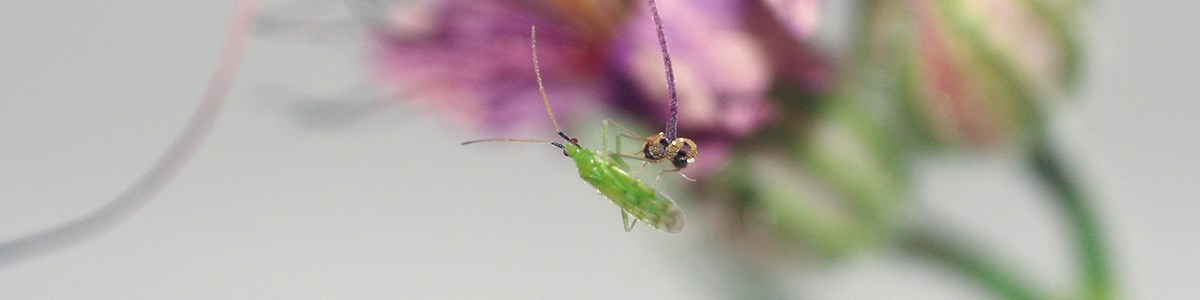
666	145
537	71
545	100
527	141
672	119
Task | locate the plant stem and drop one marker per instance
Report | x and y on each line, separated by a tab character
1050	169
164	169
954	254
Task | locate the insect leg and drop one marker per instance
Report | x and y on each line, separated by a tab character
627	135
625	131
634	156
615	155
627	221
645	162
604	138
643	166
656	178
618	139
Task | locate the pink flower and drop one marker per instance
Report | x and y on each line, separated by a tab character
978	71
470	60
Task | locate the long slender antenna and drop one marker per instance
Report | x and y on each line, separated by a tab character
545	100
528	141
672	119
538	72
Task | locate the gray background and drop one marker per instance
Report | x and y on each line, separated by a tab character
91	93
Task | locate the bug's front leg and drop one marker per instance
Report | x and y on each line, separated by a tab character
615	155
625	133
604	138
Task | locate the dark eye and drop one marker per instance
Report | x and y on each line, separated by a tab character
680	162
663	141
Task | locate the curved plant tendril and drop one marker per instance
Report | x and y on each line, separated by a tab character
163	170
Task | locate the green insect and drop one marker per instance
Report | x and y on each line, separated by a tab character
607	172
666	145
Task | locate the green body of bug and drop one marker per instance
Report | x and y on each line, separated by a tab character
607	172
634	197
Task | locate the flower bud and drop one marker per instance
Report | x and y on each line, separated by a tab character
974	73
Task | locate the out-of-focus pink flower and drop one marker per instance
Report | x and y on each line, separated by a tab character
470	59
727	55
799	16
979	71
722	72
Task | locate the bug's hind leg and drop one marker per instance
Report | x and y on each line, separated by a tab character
629	222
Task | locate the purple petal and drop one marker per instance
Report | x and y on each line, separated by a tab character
719	67
472	60
801	17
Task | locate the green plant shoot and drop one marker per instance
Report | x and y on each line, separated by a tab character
607	172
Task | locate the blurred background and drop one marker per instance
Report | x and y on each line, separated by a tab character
314	183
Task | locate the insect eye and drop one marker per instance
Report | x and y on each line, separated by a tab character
681	162
574	140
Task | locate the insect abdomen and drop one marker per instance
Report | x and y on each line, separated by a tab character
630	194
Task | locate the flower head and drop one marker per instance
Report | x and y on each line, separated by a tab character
470	60
973	73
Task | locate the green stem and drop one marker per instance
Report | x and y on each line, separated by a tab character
1090	242
953	254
